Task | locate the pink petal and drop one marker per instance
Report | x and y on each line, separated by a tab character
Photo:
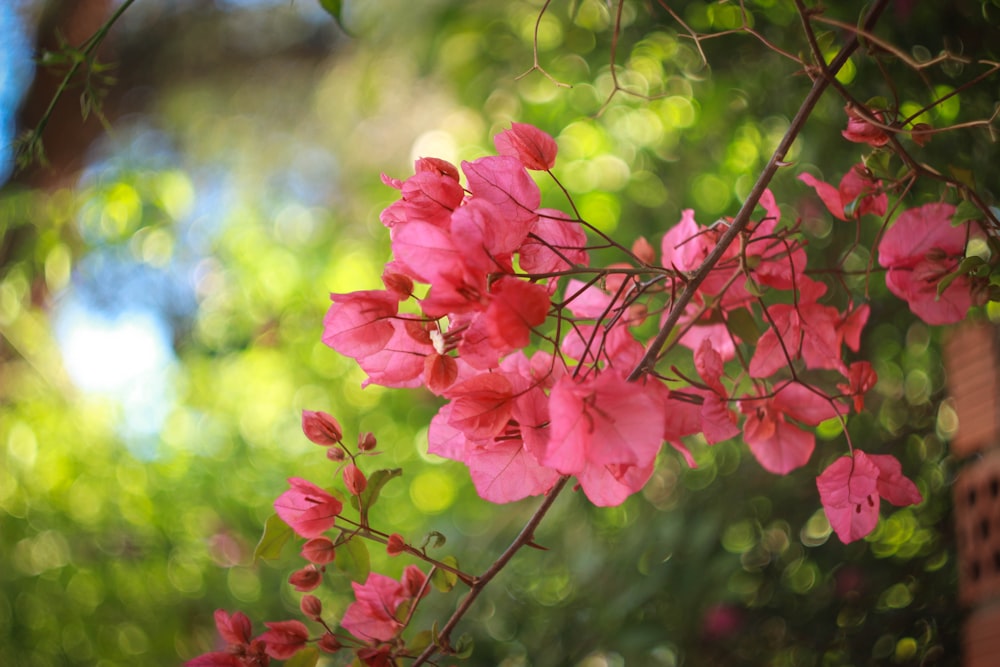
534	148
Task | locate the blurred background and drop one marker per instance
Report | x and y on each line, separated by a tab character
163	280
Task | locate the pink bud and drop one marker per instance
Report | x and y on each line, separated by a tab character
311	607
329	643
367	442
399	284
354	479
396	545
321	428
319	550
306	579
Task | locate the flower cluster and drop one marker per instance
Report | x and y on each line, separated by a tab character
544	363
481	270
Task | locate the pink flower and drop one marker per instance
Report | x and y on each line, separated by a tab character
373	615
242	651
496	425
778	445
283	639
359	324
862	131
606	432
306	508
850	489
920	249
861	377
809	331
858	193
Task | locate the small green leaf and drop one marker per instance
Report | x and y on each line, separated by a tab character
438	540
754	288
968	265
307	657
403	610
963	176
443	580
464	646
335	8
353	560
825	40
276	533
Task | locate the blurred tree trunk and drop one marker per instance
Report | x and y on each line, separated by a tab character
68	134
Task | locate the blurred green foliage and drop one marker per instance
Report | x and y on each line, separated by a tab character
257	180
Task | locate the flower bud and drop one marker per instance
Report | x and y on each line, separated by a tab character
396	545
329	643
367	441
335	454
319	550
306	579
311	607
321	428
354	479
398	283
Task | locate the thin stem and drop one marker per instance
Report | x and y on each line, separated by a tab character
524	538
86	50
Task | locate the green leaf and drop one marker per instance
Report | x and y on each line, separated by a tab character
307	657
376	481
334	8
443	580
877	103
879	163
276	533
965	210
741	323
353	560
420	641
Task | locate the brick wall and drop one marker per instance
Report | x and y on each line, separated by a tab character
972	360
